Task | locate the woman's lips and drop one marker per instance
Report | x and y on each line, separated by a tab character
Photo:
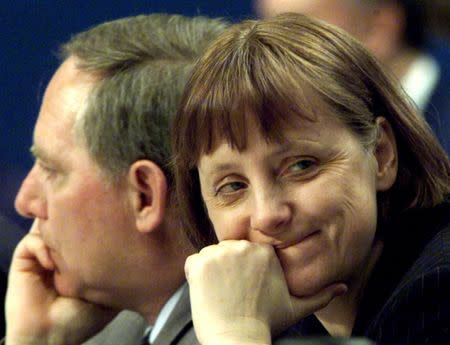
297	240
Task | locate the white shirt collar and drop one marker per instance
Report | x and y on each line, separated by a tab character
164	314
421	79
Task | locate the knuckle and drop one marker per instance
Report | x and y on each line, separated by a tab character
266	253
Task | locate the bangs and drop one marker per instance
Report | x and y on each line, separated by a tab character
242	94
248	106
261	77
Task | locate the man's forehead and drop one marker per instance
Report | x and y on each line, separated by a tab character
67	93
64	100
68	89
70	70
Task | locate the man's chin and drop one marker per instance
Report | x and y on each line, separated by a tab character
71	288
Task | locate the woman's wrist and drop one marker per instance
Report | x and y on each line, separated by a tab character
242	331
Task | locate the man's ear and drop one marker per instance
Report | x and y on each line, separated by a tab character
385	153
148	188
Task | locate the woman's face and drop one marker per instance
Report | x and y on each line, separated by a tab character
312	196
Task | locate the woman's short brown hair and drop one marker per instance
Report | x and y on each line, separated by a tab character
272	70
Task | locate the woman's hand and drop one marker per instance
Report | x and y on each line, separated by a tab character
239	294
35	312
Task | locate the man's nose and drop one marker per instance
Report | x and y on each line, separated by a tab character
30	200
271	214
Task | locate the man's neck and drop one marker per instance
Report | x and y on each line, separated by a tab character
173	249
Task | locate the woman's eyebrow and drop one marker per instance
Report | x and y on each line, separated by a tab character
217	167
282	149
291	145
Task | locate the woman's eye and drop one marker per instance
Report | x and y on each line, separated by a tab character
301	165
230	187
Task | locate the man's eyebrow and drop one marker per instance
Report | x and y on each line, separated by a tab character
40	154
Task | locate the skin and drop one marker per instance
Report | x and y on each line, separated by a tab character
66	193
239	295
312	200
82	221
267	195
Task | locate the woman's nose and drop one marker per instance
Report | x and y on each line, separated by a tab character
271	215
30	200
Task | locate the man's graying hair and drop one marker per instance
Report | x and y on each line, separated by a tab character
143	63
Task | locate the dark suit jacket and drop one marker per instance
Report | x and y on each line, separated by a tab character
128	328
179	329
407	298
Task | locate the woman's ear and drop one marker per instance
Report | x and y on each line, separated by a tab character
385	153
148	188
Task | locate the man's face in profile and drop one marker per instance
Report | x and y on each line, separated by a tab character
83	219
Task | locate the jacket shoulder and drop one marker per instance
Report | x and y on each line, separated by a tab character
418	311
127	328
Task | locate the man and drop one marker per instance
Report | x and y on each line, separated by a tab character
394	31
106	235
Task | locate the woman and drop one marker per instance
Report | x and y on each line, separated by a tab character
325	189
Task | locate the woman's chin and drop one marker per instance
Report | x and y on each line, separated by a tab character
304	283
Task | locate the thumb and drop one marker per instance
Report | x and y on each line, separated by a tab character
306	305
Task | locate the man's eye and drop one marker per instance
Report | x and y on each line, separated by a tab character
301	165
230	187
48	172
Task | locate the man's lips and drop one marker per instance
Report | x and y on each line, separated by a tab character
297	240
